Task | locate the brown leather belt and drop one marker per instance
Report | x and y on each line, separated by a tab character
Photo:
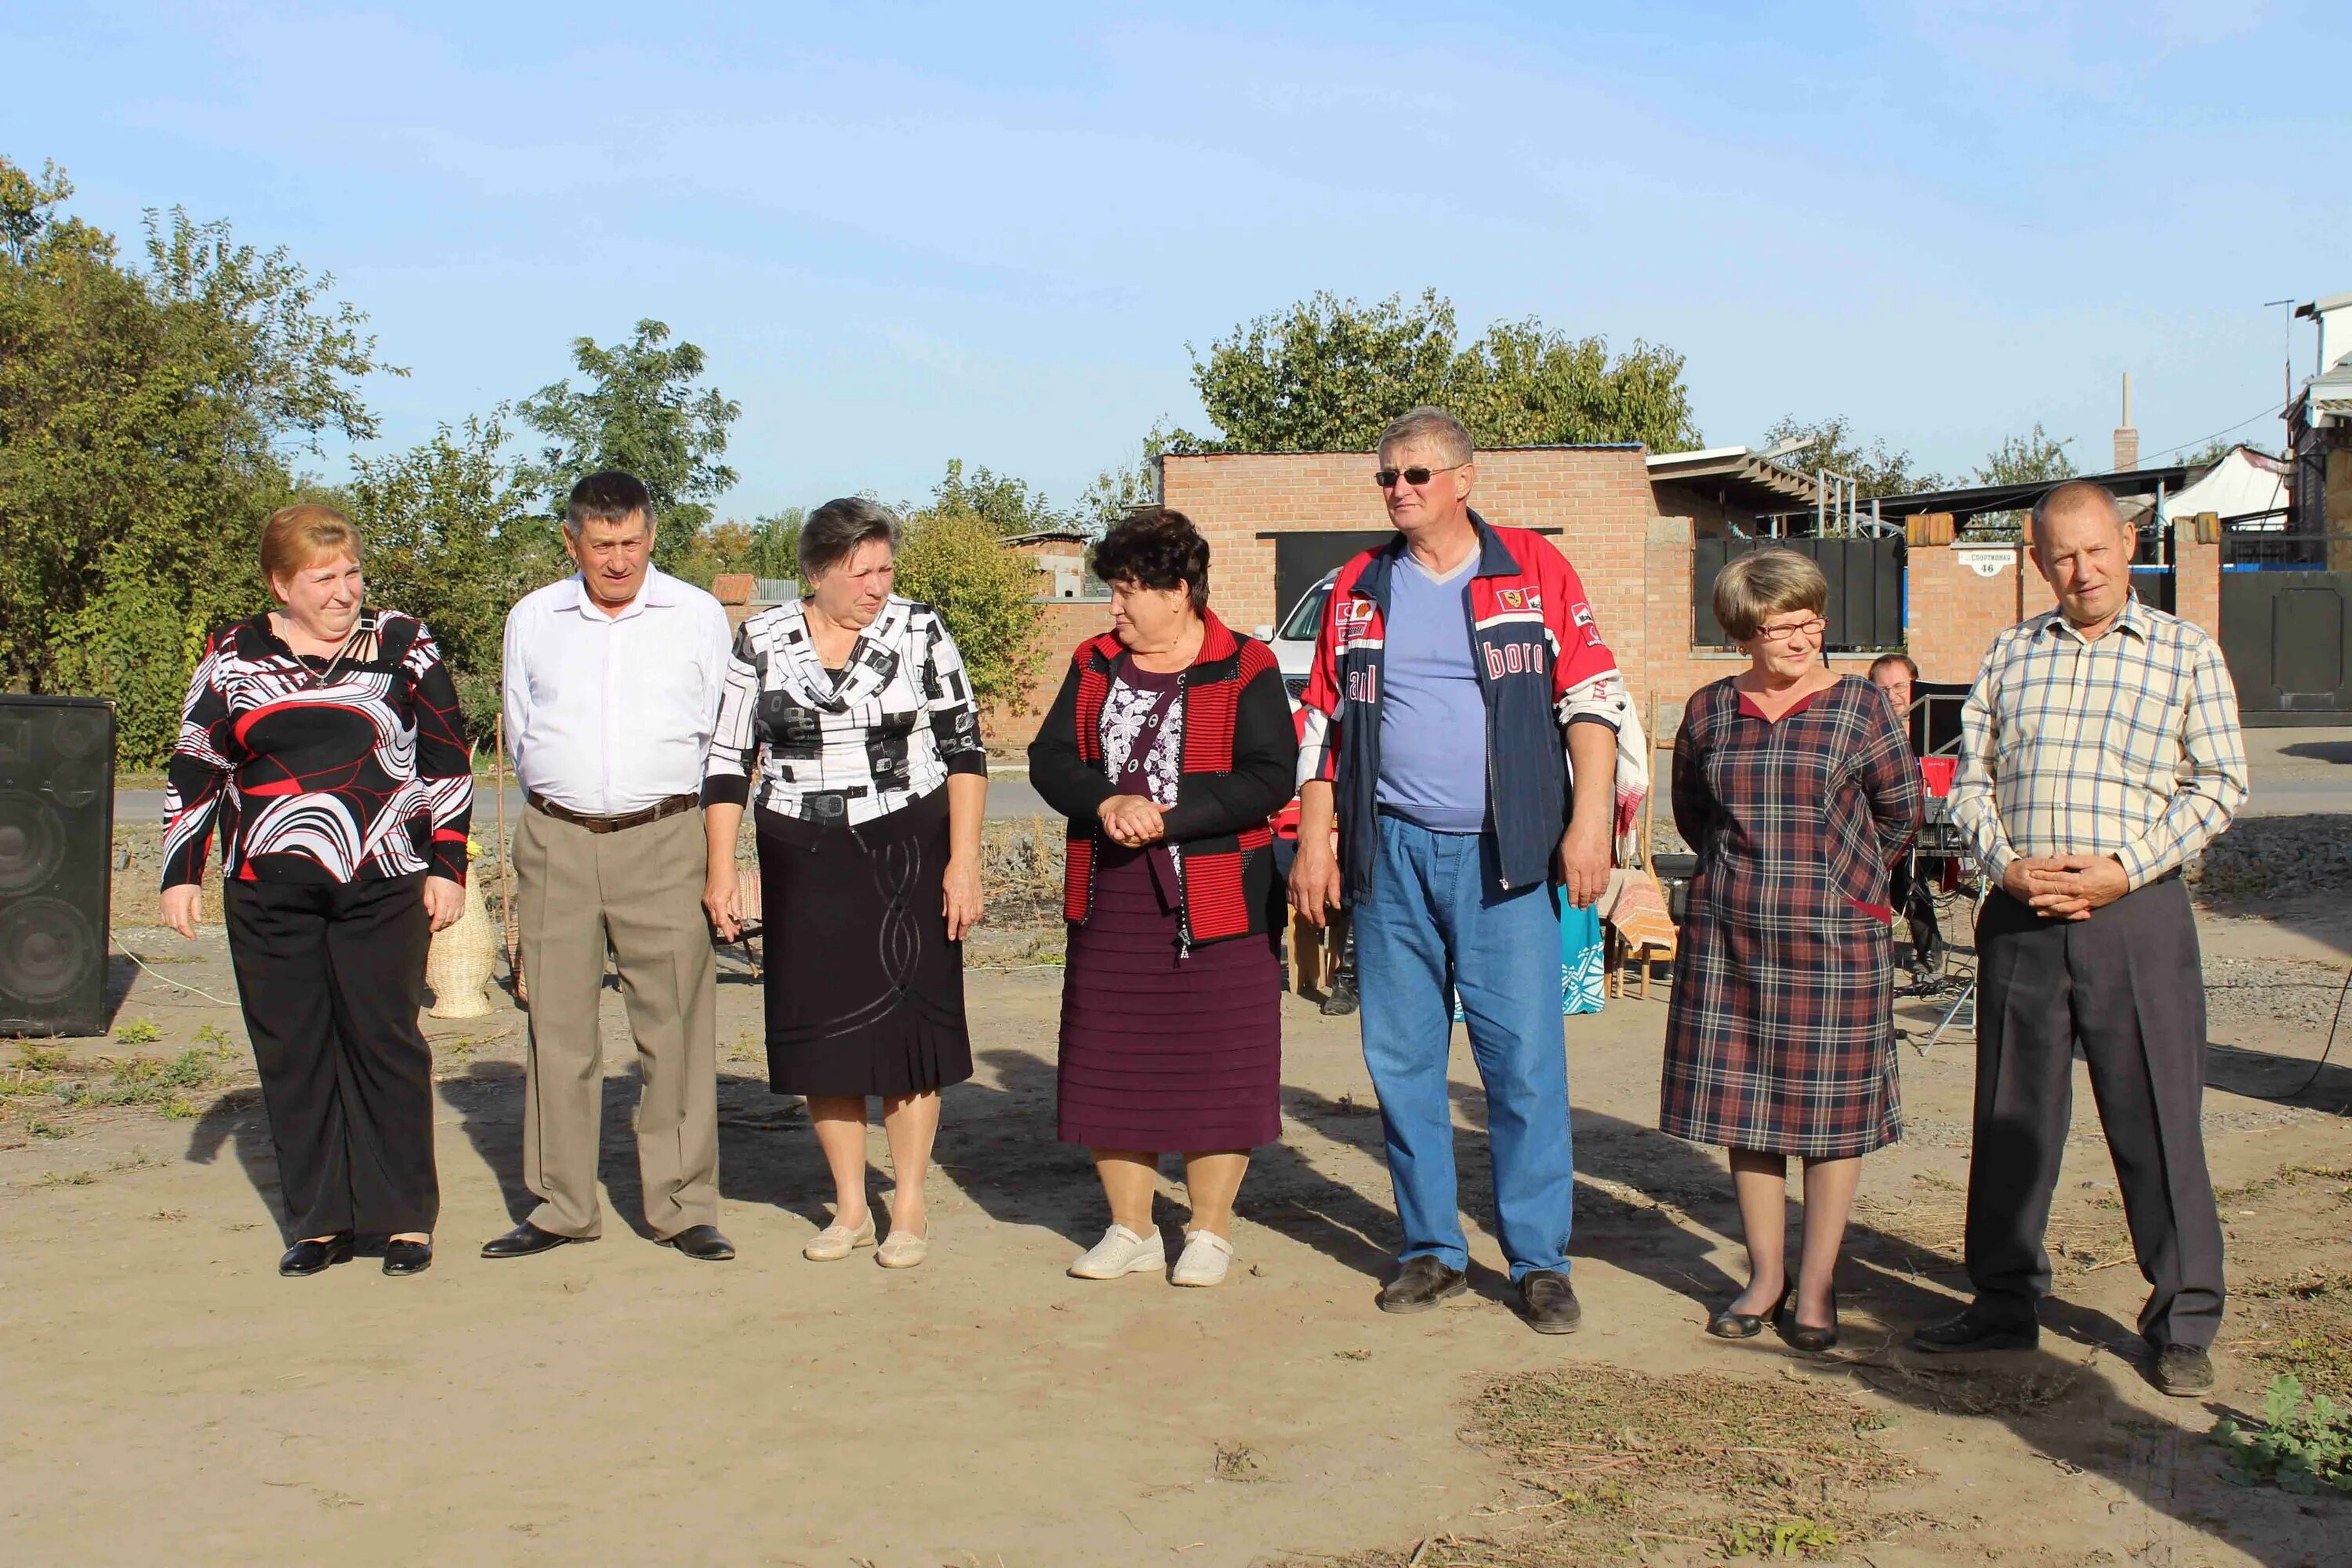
670	807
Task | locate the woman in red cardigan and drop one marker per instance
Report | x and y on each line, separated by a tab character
1169	748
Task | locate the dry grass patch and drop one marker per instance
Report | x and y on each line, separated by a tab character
1611	1462
2300	1324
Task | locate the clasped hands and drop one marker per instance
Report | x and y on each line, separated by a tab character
1133	820
2065	886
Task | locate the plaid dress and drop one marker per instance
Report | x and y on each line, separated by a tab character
1780	1033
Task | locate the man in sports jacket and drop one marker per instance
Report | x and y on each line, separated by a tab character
1468	731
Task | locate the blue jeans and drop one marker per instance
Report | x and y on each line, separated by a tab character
1437	920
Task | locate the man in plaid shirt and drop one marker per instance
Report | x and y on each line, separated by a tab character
2099	750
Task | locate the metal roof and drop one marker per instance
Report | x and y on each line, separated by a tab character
1736	473
1981	498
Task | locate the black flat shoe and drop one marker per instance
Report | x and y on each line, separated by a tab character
1730	1325
306	1257
407	1257
1421	1283
1800	1336
526	1239
702	1242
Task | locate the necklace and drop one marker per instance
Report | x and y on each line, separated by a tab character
316	678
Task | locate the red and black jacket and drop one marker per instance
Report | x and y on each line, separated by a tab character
1240	755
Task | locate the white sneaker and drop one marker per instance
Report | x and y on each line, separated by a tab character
1206	1256
1122	1252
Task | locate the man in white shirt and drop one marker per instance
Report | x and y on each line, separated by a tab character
612	678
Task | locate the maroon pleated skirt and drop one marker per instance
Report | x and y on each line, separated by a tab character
1162	1052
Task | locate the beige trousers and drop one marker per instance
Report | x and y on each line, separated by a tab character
639	890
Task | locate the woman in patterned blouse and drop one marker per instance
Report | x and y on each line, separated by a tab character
1797	789
324	739
1169	748
852	707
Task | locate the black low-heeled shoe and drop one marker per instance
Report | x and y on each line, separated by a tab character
1800	1336
407	1257
306	1257
1730	1325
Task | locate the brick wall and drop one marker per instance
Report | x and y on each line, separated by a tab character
1066	624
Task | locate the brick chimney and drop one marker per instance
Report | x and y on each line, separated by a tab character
2127	437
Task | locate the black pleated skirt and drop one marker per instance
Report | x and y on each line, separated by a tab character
865	992
1159	1052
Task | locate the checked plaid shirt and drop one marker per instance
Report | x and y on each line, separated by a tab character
2128	746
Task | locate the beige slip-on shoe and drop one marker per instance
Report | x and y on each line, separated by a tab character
837	1241
903	1249
1120	1253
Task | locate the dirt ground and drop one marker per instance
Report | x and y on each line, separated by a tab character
170	1398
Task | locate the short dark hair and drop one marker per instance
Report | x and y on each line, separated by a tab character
1883	659
834	530
1156	548
608	495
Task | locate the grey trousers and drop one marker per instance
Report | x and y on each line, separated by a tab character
2128	986
639	890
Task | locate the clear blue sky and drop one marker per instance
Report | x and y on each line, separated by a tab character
911	232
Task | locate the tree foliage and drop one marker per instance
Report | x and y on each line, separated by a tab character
145	416
640	411
2025	459
1006	504
1326	373
1876	468
953	556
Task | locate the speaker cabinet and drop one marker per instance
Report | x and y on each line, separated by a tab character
57	860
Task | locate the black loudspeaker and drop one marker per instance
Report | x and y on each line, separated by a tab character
57	862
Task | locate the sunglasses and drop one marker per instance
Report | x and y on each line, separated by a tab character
1386	478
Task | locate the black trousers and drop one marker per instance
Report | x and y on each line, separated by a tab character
331	975
2126	985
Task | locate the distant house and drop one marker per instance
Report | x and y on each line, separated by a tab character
2319	436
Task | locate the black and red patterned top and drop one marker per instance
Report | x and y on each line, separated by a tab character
318	770
1237	754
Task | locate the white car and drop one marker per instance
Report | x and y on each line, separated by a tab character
1293	640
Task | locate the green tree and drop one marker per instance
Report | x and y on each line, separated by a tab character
1326	373
1115	492
954	558
1006	504
145	417
1876	468
454	540
2029	458
640	411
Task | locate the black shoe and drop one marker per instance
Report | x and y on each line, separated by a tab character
2184	1371
1549	1303
527	1238
1800	1336
1730	1325
702	1242
1341	999
1973	1331
1420	1285
306	1257
407	1257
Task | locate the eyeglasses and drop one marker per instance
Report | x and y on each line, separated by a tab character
1386	478
1813	627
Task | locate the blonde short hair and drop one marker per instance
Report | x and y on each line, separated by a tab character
1765	582
297	538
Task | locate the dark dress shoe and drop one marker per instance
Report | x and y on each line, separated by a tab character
2184	1371
1801	1336
1420	1285
407	1257
1550	1303
1975	1331
1730	1325
527	1238
703	1242
315	1256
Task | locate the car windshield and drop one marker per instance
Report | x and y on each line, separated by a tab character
1306	616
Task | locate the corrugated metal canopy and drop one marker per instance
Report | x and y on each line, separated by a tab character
1737	474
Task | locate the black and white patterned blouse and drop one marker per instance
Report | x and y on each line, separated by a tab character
1126	711
900	719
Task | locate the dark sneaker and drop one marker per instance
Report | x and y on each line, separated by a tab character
1974	1330
1549	1303
1341	999
1420	1285
2184	1371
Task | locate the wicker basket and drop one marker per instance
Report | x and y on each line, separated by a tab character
458	968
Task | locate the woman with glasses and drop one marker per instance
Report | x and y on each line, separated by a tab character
1796	788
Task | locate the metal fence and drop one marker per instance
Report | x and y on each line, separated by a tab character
1866	586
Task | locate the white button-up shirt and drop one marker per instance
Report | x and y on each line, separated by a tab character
610	714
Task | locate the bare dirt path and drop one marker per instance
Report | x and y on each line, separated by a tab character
169	1398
